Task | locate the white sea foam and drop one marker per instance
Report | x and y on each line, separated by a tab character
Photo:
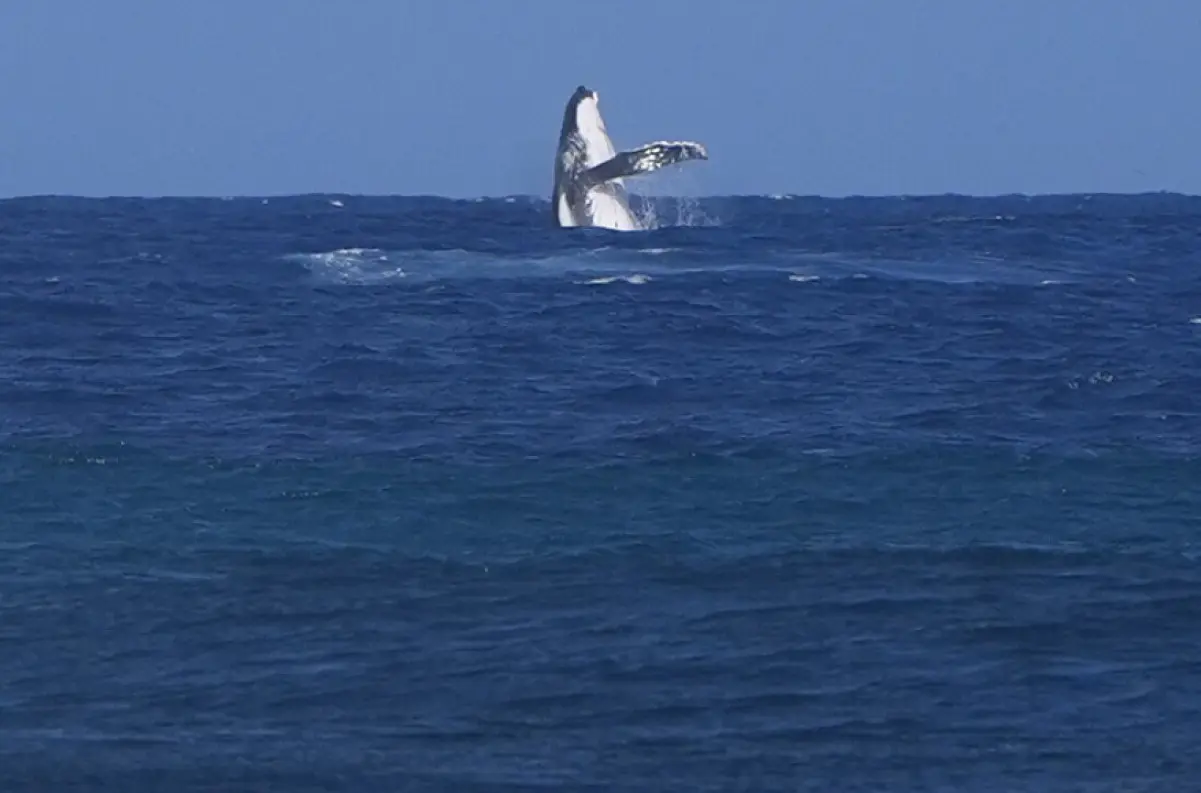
635	279
352	265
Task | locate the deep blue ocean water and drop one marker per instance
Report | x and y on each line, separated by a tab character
324	493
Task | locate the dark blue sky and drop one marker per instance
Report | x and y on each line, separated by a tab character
464	97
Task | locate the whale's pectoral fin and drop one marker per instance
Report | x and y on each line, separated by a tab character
645	159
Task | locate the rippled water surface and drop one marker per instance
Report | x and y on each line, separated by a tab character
338	493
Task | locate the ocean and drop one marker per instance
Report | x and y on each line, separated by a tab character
345	493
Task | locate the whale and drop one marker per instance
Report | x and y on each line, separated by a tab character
589	189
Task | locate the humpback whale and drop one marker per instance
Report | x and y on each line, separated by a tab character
589	190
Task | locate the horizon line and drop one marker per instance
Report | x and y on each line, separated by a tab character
539	197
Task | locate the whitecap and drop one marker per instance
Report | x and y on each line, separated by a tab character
636	279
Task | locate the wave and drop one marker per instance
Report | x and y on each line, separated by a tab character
613	264
595	266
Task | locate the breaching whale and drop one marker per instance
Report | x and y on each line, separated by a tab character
589	171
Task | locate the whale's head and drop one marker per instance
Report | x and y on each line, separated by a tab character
582	108
583	93
584	115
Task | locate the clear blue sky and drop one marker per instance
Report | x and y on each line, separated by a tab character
464	97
